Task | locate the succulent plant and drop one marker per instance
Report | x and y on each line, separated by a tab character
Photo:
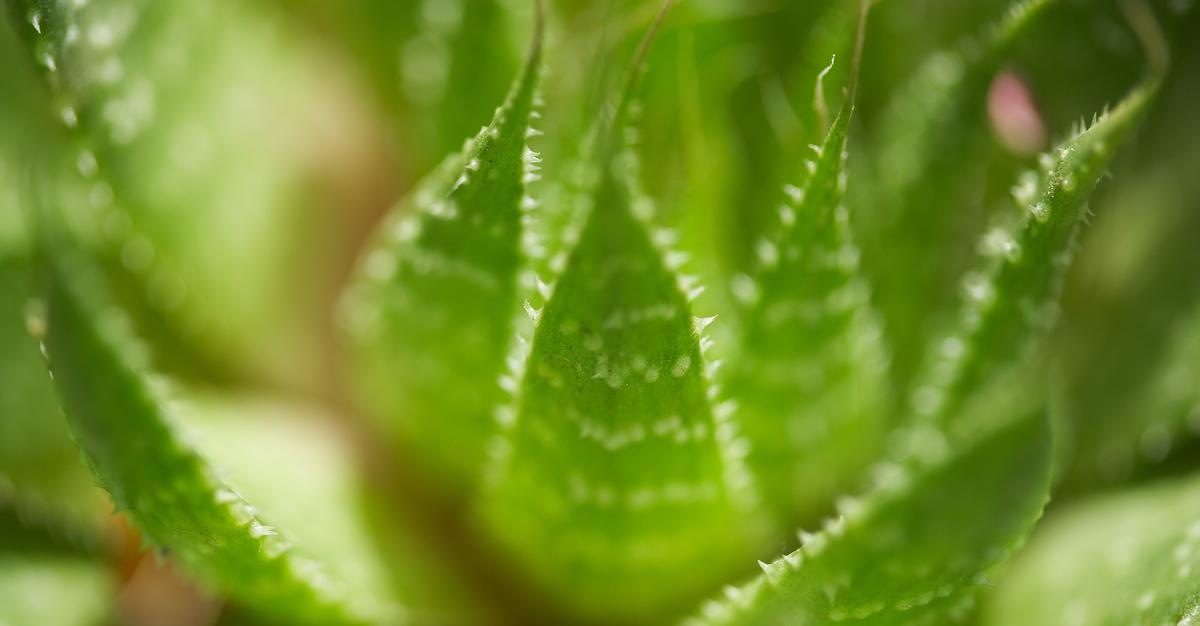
561	424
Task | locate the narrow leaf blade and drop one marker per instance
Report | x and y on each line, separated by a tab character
810	378
168	490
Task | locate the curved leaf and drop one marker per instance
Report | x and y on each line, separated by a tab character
171	494
430	314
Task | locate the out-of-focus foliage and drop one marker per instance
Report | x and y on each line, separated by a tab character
679	295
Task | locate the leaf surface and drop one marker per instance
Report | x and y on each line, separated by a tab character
615	482
295	465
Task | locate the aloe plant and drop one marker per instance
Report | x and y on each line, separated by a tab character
544	391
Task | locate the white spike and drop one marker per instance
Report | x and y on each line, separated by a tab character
700	323
534	314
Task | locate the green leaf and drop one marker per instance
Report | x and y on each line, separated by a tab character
914	548
40	468
430	314
1013	301
615	483
170	492
810	377
931	156
1126	558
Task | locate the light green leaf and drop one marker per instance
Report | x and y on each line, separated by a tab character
810	378
914	549
430	314
1126	558
1014	300
615	483
170	493
930	157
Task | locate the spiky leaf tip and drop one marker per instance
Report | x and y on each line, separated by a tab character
810	375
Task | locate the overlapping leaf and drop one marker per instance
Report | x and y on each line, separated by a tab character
615	481
979	430
430	316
